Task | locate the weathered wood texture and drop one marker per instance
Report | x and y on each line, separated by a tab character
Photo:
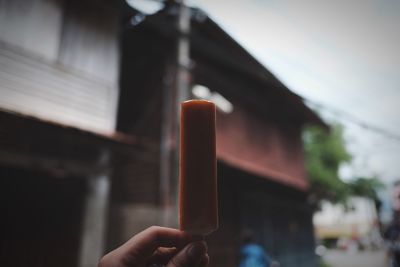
32	25
60	62
89	39
263	146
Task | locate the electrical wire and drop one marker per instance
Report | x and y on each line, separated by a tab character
344	115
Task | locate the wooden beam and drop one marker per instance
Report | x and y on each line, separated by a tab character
57	167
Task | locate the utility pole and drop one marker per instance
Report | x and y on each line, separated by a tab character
183	53
176	90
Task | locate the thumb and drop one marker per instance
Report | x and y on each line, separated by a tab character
189	256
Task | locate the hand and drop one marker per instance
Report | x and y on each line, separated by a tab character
159	246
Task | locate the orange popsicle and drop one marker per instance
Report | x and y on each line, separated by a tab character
198	201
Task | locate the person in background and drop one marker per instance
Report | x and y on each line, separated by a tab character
392	241
392	232
252	254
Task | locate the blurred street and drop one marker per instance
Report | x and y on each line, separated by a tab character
338	258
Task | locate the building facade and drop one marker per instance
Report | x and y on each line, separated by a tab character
88	143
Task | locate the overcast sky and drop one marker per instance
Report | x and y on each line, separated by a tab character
342	54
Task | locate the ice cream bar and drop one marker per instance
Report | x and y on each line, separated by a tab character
198	202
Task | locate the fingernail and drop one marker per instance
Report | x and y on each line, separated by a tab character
197	249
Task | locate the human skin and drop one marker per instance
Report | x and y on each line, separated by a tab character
159	246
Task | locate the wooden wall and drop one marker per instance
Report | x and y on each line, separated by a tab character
135	194
59	61
266	146
278	216
32	25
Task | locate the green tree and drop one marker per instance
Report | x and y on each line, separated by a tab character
325	151
366	187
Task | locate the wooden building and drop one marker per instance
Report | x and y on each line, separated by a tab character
59	67
262	180
88	105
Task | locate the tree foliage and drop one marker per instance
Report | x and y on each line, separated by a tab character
366	187
325	151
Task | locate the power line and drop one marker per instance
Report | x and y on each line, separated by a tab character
353	119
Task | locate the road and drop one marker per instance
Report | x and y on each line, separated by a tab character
336	258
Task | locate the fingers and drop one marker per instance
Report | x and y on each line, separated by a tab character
204	261
159	245
145	243
150	239
141	247
162	256
191	255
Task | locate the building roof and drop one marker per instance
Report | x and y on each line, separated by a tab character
212	47
221	64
